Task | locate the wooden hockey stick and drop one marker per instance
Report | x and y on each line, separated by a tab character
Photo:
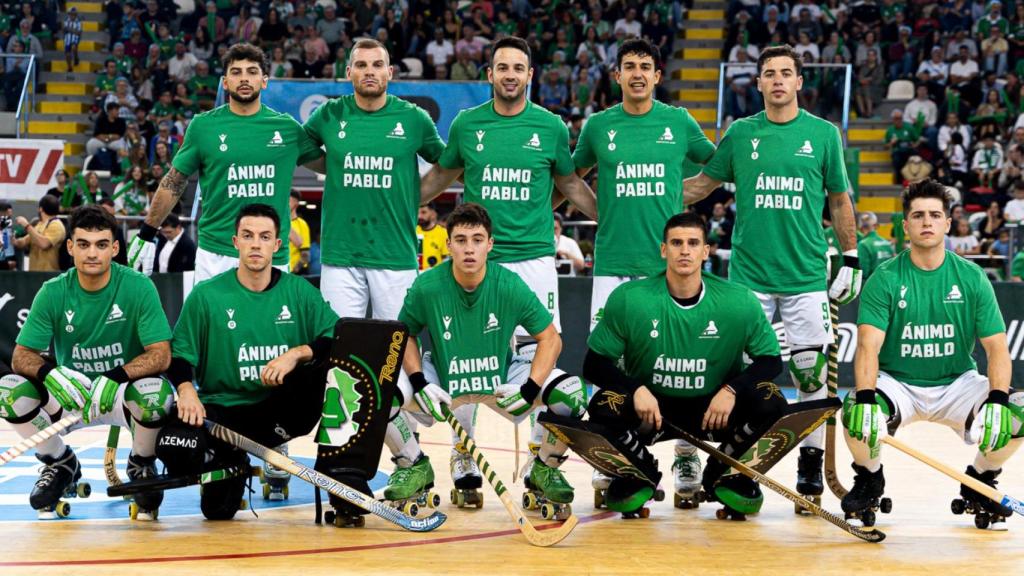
869	535
319	480
831	477
533	536
972	483
110	457
39	437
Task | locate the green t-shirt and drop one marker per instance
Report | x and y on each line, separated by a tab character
242	160
1017	267
160	110
470	331
872	250
207	83
904	135
931	318
372	191
124	65
230	333
782	173
640	165
105	83
677	351
510	163
93	332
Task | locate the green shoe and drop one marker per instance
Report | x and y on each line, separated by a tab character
406	482
550	482
740	493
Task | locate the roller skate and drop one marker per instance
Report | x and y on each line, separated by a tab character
409	486
686	469
222	499
275	480
467	479
865	498
59	478
548	491
344	514
740	496
808	476
628	496
987	513
145	505
599	481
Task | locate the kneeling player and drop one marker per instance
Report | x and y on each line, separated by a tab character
682	337
471	310
920	314
110	341
258	340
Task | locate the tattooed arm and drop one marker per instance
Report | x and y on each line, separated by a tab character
171	188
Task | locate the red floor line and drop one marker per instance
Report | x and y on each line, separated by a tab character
279	553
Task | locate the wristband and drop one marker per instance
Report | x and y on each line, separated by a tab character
851	259
529	390
418	381
147	232
866	397
44	370
117	374
998	397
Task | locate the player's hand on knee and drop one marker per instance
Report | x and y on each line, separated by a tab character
190	410
431	398
646	406
104	393
866	421
846	287
517	400
717	415
71	389
993	425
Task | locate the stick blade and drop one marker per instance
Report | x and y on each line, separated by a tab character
549	537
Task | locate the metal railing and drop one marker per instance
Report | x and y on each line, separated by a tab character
28	92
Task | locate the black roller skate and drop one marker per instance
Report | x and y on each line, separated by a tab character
145	505
808	477
865	498
987	512
59	478
274	479
344	514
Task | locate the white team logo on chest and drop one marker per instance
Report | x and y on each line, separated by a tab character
447	322
479	140
231	318
954	296
70	315
711	331
753	144
285	317
611	140
397	132
115	314
223	146
276	141
492	323
533	143
654	328
805	151
341	132
667	137
903	292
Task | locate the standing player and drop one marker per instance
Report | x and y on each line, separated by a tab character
255	341
639	147
432	237
471	311
919	317
111	341
785	162
511	154
682	337
244	152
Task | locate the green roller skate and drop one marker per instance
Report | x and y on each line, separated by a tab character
409	487
548	490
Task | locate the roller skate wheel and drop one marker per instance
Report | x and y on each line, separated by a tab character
266	491
243	504
284	491
410	508
458	498
957	506
659	494
547	511
83	490
885	505
62	509
479	500
598	499
867	518
721	514
530	501
259	474
433	500
645	512
133	511
329	517
981	521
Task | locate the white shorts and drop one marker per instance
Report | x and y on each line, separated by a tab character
951	405
542	277
209	264
349	290
805	317
600	290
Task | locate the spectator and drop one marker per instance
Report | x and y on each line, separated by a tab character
805	25
43	238
993	21
1001	245
300	19
988	161
441	50
72	29
583	94
164	109
629	24
951	126
214	27
773	25
175	250
28	40
108	133
15	70
742	97
8	257
464	68
434	237
591	45
471	44
246	25
298	238
106	82
568	256
934	73
1014	210
559	67
123	62
901	55
990	224
125	100
592	69
203	85
130	195
872	249
273	30
868	44
311	66
200	45
553	94
134	46
870	84
122	254
923	113
440	72
330	28
812	83
182	67
280	67
146	127
995	48
962	240
963	75
835	46
720	226
315	43
956	157
658	33
901	140
805	46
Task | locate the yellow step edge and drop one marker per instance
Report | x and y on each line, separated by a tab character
705	34
73	148
705	15
84	46
698	95
710	133
55	127
68	88
61	107
875	156
703	114
89	26
875	179
885	230
699	74
867	135
89	7
62	66
701	54
878	204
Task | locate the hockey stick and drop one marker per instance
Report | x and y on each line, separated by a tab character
110	457
972	483
39	437
319	480
831	477
533	536
871	535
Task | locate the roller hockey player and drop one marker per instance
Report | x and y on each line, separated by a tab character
919	317
785	162
471	309
682	337
111	341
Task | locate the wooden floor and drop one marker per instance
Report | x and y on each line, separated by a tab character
923	536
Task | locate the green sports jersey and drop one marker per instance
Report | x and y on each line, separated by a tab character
782	173
470	332
509	166
242	160
640	169
229	332
372	191
930	318
93	332
677	351
872	250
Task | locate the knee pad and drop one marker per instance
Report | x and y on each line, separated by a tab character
221	500
808	368
20	398
565	394
149	400
182	449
